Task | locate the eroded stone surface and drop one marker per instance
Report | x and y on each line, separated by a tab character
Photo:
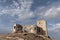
24	36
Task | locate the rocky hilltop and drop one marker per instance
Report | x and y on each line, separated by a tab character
24	36
33	32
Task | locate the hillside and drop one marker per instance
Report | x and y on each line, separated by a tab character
23	36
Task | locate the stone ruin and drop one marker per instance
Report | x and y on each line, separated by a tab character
39	29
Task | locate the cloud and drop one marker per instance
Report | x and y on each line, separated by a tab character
54	27
49	12
22	11
53	12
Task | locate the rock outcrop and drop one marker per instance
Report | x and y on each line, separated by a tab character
24	36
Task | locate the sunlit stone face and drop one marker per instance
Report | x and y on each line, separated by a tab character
31	30
13	30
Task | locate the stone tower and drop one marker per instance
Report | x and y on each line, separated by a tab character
42	24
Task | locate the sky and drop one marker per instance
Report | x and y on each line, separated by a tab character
28	12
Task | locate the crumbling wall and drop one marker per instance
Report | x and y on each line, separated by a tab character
40	28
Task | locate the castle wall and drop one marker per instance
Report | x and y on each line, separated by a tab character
26	28
40	28
29	29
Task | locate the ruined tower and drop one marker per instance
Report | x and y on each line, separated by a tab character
42	25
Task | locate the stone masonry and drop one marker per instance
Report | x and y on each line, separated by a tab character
39	29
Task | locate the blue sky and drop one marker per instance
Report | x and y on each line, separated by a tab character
27	12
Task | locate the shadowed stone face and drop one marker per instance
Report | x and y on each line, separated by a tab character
17	28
